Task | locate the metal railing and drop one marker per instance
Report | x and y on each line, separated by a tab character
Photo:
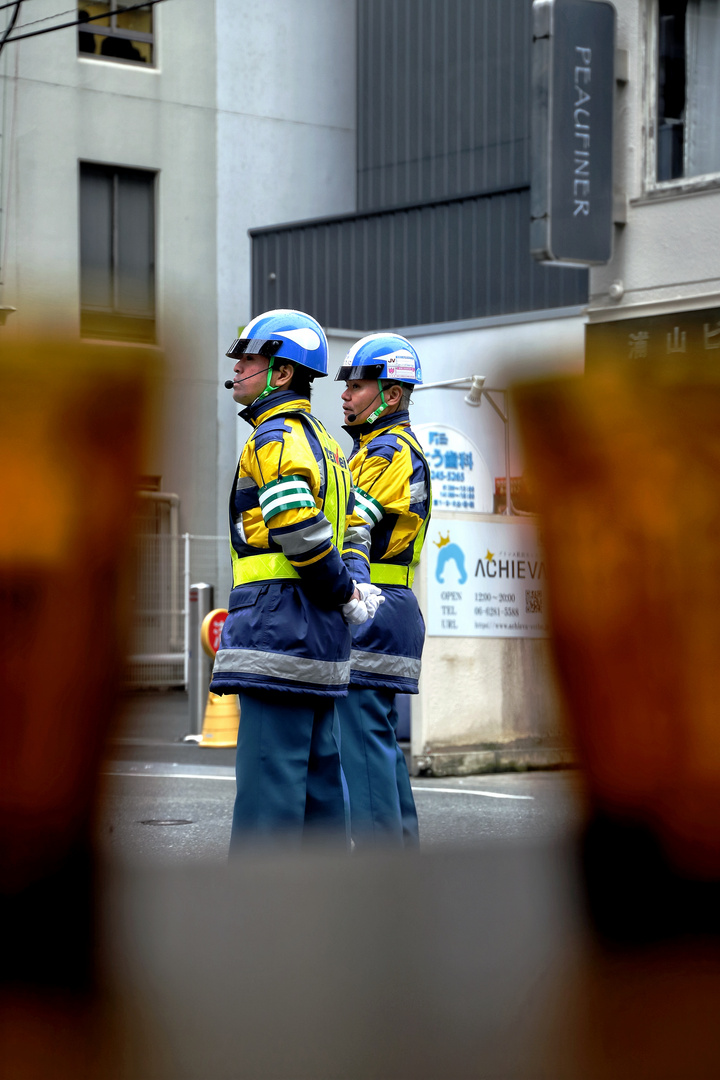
165	566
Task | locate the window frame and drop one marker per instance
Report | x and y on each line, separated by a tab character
114	32
98	323
654	189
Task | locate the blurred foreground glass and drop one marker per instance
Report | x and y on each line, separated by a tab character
625	473
73	419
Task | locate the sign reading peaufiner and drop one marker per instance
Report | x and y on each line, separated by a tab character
573	69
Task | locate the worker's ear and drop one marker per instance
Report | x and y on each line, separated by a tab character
284	374
393	395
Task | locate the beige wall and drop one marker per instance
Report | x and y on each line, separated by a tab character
485	703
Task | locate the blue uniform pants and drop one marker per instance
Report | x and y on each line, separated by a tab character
382	808
290	784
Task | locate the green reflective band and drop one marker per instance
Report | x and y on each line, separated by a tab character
277	507
287	493
390	574
368	508
273	566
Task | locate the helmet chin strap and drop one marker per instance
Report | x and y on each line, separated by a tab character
380	409
268	388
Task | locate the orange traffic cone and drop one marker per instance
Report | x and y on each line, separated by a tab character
221	720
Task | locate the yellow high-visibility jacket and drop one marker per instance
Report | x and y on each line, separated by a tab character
384	538
288	509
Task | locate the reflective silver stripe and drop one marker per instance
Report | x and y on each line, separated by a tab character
295	543
245	482
377	663
418	492
358	536
282	666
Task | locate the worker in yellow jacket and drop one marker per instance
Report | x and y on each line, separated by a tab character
382	546
285	645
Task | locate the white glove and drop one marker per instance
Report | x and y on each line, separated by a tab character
355	612
372	597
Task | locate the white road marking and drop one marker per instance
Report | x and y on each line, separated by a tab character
468	791
183	772
227	772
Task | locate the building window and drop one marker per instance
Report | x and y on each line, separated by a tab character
121	35
688	89
117	253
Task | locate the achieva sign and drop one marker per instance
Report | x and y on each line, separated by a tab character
491	567
485	579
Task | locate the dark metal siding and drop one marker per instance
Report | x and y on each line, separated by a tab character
443	98
443	232
453	259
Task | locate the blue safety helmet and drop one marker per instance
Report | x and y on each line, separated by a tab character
382	356
287	335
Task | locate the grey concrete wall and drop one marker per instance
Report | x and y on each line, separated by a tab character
248	118
286	147
61	108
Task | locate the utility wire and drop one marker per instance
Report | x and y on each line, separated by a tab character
10	25
78	22
47	18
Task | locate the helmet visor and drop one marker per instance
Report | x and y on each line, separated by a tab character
366	371
266	347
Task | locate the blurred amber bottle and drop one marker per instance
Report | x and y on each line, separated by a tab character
73	422
625	473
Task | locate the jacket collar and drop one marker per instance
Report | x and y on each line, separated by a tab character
280	401
363	433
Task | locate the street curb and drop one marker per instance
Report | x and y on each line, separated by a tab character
511	759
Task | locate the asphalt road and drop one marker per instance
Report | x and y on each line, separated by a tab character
169	811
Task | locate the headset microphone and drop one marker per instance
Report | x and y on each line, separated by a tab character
352	417
229	384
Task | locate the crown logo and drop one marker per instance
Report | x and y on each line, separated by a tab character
443	540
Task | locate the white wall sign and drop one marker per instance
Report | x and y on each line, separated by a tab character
460	476
485	579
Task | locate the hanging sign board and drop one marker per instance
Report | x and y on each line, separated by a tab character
573	85
686	342
485	579
459	474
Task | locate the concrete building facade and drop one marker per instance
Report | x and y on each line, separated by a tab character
370	163
667	182
246	115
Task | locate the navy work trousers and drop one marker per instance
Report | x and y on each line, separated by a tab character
290	784
382	808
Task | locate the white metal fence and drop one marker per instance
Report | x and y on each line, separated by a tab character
166	566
